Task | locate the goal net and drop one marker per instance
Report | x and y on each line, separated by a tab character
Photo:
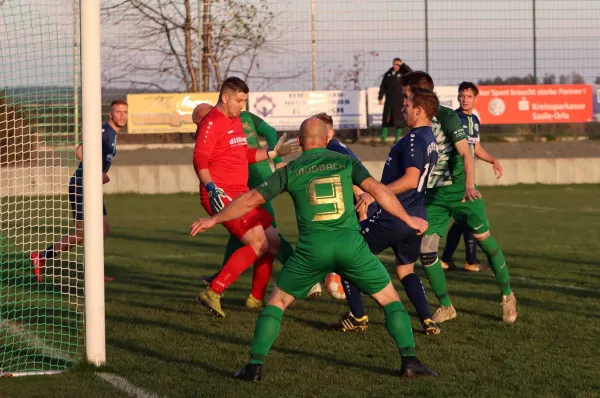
41	316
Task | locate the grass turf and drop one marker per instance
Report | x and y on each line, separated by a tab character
160	340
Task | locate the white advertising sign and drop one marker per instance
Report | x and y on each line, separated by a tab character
375	110
285	110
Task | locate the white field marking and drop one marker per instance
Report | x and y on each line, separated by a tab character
559	285
32	373
521	206
526	280
34	341
544	208
122	384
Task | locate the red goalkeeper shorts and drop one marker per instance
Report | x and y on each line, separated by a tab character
239	227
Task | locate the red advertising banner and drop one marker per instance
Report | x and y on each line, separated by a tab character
528	104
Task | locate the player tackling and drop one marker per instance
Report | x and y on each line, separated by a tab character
405	173
320	184
221	157
451	193
258	172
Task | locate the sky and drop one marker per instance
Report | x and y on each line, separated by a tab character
468	40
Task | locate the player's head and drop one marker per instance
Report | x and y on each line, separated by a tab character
233	96
397	64
313	134
328	120
200	111
420	107
416	79
467	95
118	113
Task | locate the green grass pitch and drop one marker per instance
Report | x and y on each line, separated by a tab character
160	340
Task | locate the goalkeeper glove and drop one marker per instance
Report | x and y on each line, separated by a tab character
283	147
215	197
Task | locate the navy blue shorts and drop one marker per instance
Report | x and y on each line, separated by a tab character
76	198
382	230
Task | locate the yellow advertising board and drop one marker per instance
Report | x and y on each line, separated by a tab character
160	113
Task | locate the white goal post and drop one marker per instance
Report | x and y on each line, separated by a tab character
92	176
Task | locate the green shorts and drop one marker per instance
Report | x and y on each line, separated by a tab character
344	253
441	208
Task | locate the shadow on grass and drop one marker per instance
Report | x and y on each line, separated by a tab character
132	347
187	241
218	337
537	256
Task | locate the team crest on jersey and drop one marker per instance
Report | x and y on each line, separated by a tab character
264	105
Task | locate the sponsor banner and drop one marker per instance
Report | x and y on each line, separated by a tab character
596	102
375	110
285	110
160	113
448	96
526	104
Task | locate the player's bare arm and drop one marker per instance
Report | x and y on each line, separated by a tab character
236	209
388	201
204	176
408	181
484	155
462	147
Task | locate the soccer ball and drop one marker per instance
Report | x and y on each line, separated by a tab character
333	284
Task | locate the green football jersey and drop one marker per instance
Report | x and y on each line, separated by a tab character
449	170
320	183
255	126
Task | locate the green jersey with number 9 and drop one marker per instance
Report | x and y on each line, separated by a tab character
320	184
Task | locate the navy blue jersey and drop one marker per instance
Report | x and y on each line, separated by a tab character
109	149
470	124
416	149
336	146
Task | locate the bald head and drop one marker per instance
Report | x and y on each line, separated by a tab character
313	133
200	111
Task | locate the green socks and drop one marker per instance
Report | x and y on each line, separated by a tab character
397	323
437	281
285	250
498	263
398	134
384	134
265	333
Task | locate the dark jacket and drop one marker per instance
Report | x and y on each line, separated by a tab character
391	87
391	82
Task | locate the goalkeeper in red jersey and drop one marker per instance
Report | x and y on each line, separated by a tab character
255	127
221	158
